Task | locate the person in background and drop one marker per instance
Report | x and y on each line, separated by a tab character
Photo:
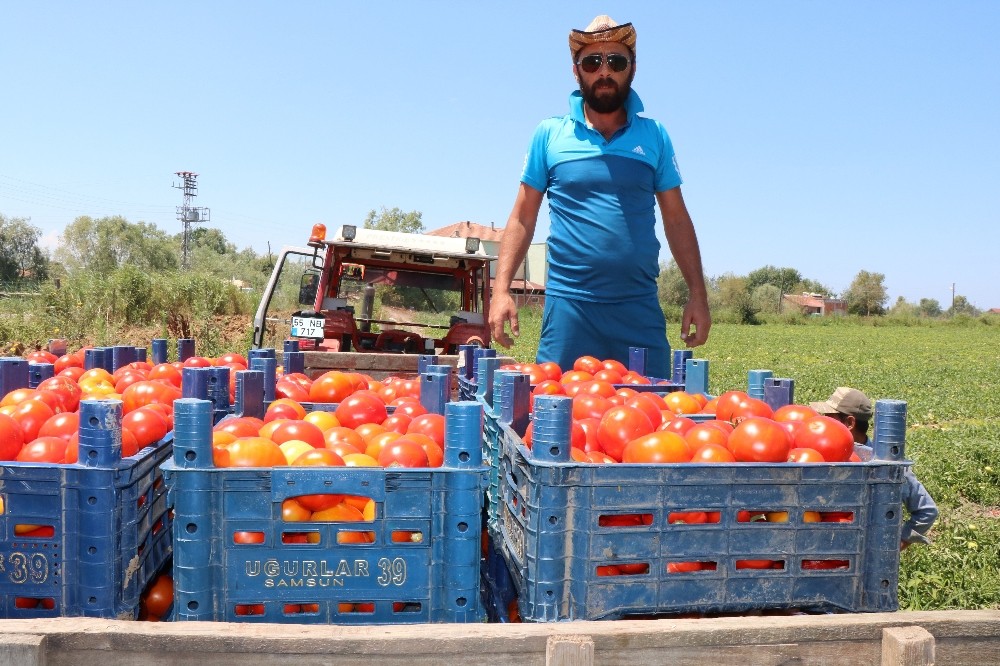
605	170
853	408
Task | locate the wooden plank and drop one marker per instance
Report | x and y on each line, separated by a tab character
907	646
569	651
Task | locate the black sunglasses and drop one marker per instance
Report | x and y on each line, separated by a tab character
592	63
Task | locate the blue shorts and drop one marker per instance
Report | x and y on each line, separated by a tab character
572	328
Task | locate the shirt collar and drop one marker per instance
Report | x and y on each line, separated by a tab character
633	106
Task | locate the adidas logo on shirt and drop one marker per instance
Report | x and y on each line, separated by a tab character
639	151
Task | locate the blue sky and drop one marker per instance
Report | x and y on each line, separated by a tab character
827	137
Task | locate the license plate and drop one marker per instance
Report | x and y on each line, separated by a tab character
307	327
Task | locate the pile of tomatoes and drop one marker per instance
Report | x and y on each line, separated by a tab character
359	432
613	423
41	424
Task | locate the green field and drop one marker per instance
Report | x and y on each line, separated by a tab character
949	376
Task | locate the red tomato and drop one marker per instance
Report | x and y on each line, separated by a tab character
296	429
284	408
726	403
679	424
619	426
166	372
403	452
11	437
750	407
130	446
589	428
148	425
319	458
31	415
397	422
588	405
687	517
255	452
197	362
551	370
712	453
706	433
657	447
159	597
149	391
66	388
758	439
233	357
332	386
588	364
800	455
614	365
534	372
43	450
361	407
290	389
435	454
62	425
632	377
574	376
240	426
683	567
432	425
409	406
339	436
67	361
17	396
41	356
680	402
793	413
609	376
649	406
599	457
830	437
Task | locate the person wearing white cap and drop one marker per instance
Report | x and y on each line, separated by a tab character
605	170
854	409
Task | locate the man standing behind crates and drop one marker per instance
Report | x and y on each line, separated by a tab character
604	168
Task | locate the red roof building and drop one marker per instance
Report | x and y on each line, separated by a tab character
815	304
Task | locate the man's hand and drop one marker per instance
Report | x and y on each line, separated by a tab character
696	316
503	310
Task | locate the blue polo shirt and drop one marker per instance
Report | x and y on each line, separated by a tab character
602	244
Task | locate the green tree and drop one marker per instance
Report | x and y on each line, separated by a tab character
929	307
867	294
670	285
395	220
766	298
108	243
785	279
962	306
903	308
20	256
212	239
812	287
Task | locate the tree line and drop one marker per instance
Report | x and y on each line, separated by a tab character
104	245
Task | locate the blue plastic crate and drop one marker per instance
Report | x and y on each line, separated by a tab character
109	520
431	577
555	528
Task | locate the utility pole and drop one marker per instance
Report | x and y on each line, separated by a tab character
953	298
189	214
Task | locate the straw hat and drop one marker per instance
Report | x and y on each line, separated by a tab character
602	29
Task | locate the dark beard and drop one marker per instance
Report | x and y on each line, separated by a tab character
607	100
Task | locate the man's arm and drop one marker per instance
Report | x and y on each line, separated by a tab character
514	245
683	244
